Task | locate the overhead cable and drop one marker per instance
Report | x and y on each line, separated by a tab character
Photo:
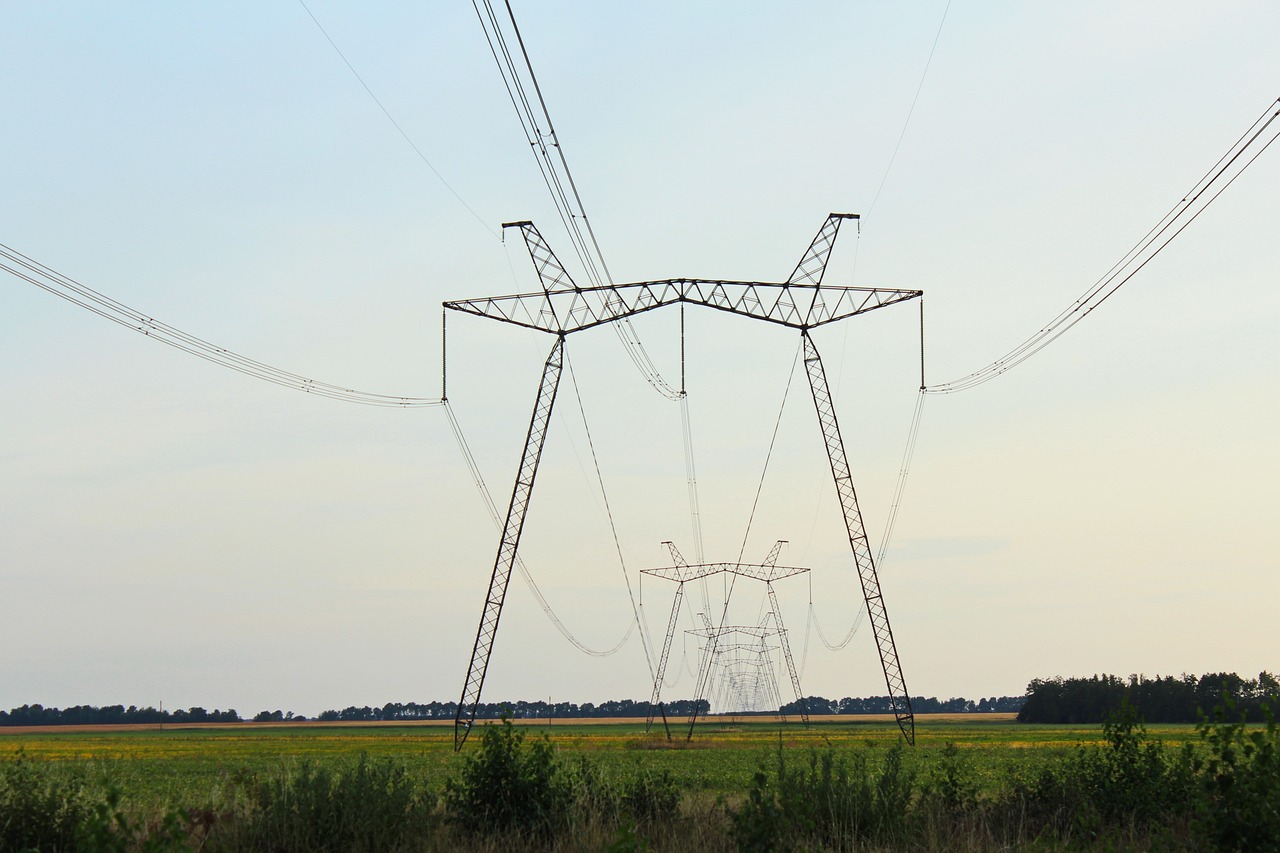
903	470
835	647
910	111
714	637
786	392
391	118
33	272
478	479
1229	167
559	180
526	97
613	527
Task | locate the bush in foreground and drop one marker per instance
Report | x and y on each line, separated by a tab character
365	806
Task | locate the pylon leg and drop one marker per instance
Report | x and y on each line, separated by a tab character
509	544
705	666
786	653
662	661
898	697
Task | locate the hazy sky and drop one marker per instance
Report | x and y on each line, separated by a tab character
173	531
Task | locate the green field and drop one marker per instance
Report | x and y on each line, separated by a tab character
157	766
971	782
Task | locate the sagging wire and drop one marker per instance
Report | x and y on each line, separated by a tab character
64	287
391	118
645	642
769	454
1211	185
555	171
478	479
903	470
728	591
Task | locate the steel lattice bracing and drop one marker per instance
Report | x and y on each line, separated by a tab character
681	572
756	571
786	652
553	275
802	302
509	544
898	697
678	559
798	306
733	658
814	263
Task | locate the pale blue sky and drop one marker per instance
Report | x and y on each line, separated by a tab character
173	531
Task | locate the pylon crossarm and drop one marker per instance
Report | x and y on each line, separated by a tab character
756	571
801	302
509	544
862	556
755	631
797	306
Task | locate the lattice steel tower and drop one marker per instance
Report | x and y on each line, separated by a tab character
682	572
802	302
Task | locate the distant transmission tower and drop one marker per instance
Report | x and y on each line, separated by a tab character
562	307
681	572
737	659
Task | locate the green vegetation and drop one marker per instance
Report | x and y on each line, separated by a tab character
970	784
1163	699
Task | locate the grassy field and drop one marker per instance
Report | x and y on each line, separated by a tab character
972	782
181	763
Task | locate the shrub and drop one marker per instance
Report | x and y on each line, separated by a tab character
1240	782
949	784
508	787
651	796
39	810
45	807
834	802
1130	782
367	806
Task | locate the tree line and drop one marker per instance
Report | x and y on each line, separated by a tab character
86	715
90	715
817	705
513	710
1163	699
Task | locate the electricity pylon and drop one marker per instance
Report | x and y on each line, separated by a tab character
681	572
562	307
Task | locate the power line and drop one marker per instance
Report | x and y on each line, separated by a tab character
835	647
391	118
487	498
29	270
521	84
613	527
911	110
903	470
1243	152
768	456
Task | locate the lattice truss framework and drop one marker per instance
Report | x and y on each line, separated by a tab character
802	302
728	662
741	667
